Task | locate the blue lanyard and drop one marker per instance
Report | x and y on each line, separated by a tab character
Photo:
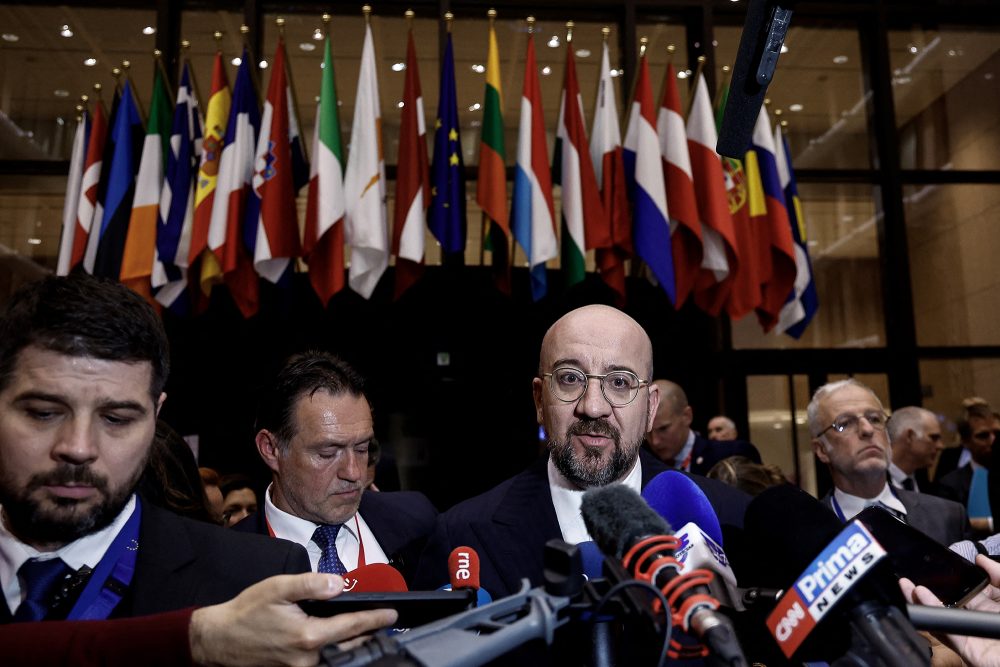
110	580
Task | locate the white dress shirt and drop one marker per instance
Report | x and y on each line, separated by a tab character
896	475
852	505
567	500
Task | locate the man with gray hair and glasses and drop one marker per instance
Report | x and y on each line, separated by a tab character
915	436
848	426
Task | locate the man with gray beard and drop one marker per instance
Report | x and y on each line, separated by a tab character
594	399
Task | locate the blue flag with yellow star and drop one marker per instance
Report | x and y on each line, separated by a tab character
446	217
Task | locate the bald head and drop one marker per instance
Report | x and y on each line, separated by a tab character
598	327
672	422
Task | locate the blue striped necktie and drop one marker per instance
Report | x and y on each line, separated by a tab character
39	579
326	537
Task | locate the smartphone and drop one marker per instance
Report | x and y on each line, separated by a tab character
921	559
414	607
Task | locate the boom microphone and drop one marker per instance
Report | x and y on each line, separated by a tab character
677	499
623	525
846	601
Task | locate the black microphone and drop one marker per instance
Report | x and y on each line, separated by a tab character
846	603
624	526
763	34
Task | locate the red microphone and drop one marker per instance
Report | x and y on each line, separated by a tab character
378	578
463	568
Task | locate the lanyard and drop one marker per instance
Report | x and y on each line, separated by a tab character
109	582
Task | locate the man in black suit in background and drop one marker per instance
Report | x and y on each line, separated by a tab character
672	441
594	397
83	365
315	429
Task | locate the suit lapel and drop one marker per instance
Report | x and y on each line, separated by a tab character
164	548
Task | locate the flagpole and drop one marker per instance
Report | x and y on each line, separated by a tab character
158	63
486	227
126	66
697	73
252	67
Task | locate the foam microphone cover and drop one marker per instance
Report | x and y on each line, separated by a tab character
677	499
463	568
374	578
617	517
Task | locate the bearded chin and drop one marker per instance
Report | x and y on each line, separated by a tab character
591	469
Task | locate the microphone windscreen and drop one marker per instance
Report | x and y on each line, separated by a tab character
593	559
679	500
374	578
617	517
463	568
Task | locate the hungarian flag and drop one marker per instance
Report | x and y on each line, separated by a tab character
173	238
644	173
609	171
719	251
685	223
533	217
216	116
277	237
226	237
491	187
323	242
88	186
364	183
127	138
803	303
584	223
71	205
767	205
412	180
139	251
446	217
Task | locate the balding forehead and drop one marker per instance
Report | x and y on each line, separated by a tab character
600	325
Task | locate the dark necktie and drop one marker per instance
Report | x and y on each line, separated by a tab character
39	579
326	537
908	484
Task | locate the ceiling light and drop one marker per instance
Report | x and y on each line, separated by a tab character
34	241
784	48
839	60
583	53
61	92
988	76
478	69
475	107
400	104
149	30
795	107
546	70
476	123
902	80
10	37
66	32
554	42
398	67
90	62
263	64
784	123
912	48
322	65
307	46
682	74
236	61
318	34
60	120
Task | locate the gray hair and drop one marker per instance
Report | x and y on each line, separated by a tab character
909	418
812	411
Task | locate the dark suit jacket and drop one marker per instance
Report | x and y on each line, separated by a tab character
956	485
182	562
400	520
509	525
943	520
706	453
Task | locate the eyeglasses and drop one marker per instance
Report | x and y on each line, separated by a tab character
875	418
570	384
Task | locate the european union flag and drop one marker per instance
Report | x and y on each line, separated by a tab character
447	211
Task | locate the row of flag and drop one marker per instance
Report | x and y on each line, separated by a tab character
178	204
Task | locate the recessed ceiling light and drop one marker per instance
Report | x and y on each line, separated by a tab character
784	48
475	107
583	53
795	107
398	67
307	46
61	92
34	241
401	104
318	34
682	75
478	69
60	120
90	62
554	42
476	123
912	48
546	70
236	61
784	123
988	76
65	31
263	64
839	60
322	65
10	37
149	30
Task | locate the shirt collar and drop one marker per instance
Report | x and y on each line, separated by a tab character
685	452
567	499
852	505
896	474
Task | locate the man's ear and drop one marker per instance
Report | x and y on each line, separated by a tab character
537	393
267	446
820	450
687	414
160	401
652	406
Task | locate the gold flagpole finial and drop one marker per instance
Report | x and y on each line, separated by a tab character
643	43
569	32
157	53
409	14
531	24
448	18
367	11
605	33
126	65
492	15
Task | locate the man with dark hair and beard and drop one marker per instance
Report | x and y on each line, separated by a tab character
83	365
594	398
